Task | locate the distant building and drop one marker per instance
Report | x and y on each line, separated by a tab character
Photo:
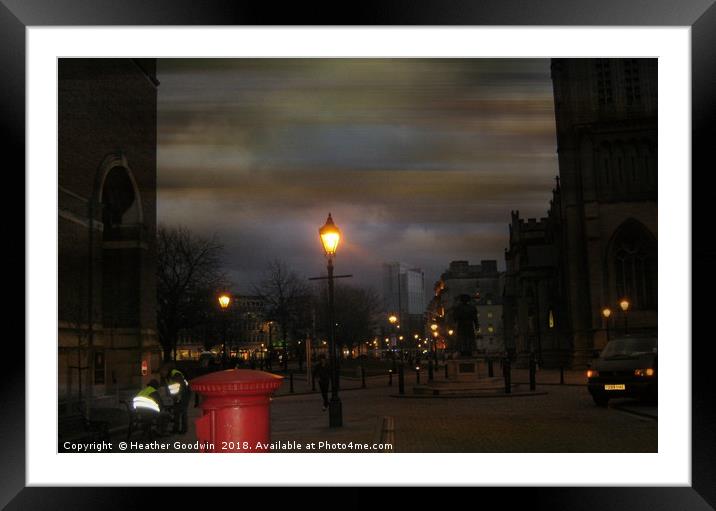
107	122
247	330
599	241
483	284
250	327
534	305
404	295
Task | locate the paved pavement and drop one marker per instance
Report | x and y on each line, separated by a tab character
556	418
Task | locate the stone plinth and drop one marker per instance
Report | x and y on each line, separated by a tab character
485	386
463	370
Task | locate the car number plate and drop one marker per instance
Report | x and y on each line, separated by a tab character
619	386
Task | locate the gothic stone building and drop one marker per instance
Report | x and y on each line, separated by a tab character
106	225
603	227
534	311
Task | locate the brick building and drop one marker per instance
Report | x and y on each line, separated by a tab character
107	112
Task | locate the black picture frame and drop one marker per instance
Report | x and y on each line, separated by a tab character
700	15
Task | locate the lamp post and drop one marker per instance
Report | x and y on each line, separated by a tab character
330	236
434	329
624	304
224	301
606	312
393	320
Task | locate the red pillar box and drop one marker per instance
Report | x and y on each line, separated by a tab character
236	410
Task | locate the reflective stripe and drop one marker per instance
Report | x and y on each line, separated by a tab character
174	388
146	403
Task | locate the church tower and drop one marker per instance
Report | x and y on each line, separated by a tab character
606	121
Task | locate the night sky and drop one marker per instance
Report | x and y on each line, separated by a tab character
418	160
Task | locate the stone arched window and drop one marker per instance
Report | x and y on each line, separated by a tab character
120	200
633	264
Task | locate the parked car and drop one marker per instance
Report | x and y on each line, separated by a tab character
626	367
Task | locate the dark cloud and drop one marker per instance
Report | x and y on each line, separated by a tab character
419	160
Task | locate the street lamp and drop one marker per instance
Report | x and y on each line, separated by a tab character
434	328
624	304
330	237
393	320
224	302
606	312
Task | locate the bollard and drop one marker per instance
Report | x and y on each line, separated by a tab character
401	380
507	371
533	368
430	369
362	377
490	373
561	375
390	377
417	375
235	410
290	381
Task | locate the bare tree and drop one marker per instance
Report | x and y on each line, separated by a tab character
354	314
188	275
285	295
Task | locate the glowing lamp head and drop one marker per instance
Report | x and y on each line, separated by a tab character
224	301
606	312
450	332
393	319
624	304
433	327
330	236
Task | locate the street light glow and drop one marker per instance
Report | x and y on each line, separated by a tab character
330	236
624	304
606	312
224	300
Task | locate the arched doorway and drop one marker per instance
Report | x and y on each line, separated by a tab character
123	250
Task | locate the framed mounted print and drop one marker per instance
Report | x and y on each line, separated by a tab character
416	239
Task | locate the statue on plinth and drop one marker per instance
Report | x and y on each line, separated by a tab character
465	318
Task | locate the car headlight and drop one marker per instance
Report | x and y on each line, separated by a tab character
644	372
592	373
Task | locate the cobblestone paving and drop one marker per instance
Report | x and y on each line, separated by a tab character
564	419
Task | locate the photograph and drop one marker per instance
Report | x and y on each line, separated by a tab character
357	255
